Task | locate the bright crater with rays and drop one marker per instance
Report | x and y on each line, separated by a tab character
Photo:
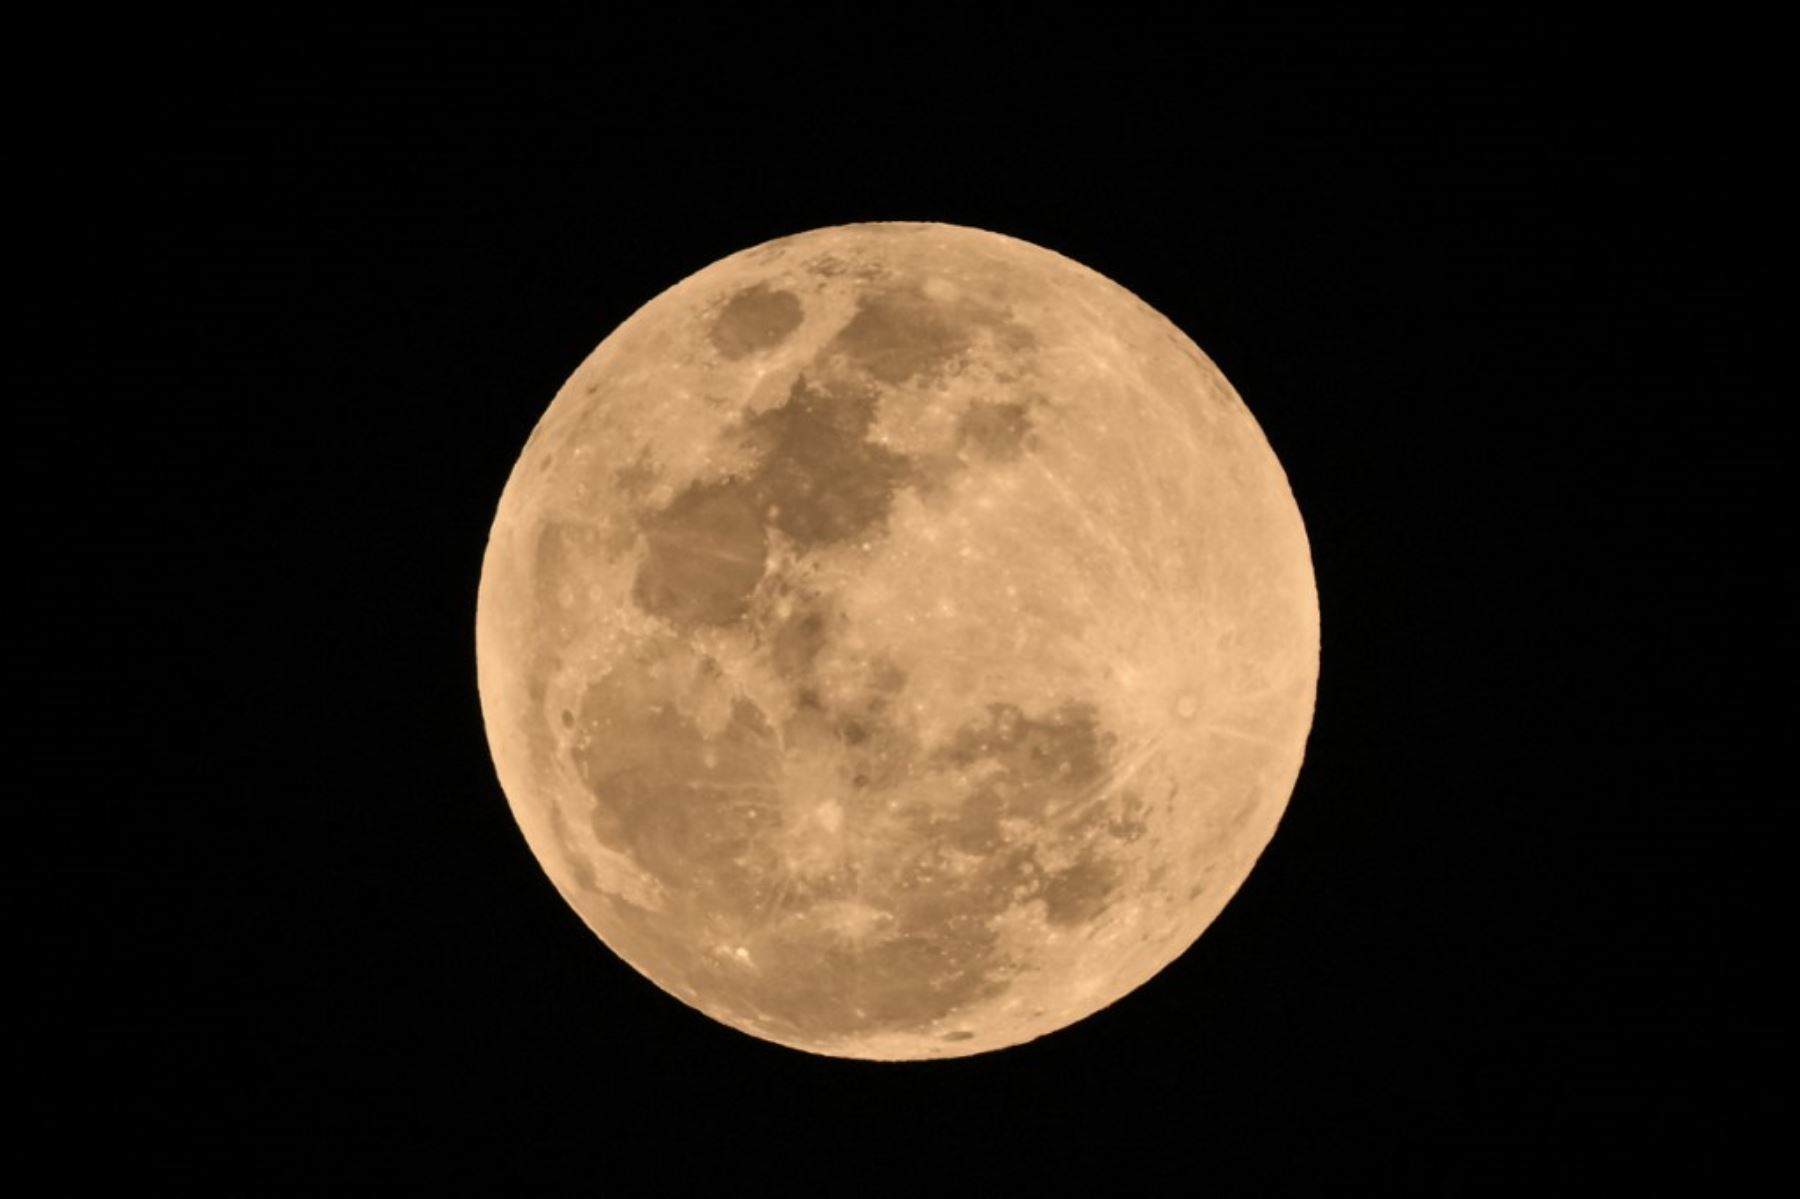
897	641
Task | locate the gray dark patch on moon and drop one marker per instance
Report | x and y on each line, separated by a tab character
900	333
561	547
1129	825
799	639
706	816
1077	894
688	809
704	555
835	988
818	481
880	753
758	318
665	793
636	477
994	430
821	480
1035	769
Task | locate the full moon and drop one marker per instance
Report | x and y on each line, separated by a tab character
897	641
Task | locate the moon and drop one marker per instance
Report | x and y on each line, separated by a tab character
897	641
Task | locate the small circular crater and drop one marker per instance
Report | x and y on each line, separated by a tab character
1187	707
568	719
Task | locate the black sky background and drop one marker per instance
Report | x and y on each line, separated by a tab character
1497	300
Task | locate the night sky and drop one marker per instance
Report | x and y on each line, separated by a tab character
1497	301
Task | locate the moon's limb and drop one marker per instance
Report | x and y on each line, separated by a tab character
897	641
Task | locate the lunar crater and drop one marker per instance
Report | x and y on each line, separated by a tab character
757	318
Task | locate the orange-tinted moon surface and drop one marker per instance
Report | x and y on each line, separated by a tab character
897	641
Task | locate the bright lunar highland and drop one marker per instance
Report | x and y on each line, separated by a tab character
897	641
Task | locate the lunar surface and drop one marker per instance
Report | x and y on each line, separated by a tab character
897	641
